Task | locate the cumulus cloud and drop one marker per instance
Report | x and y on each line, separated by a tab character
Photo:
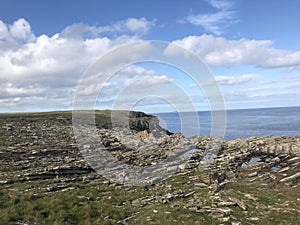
214	22
47	69
50	57
21	30
3	30
136	26
139	26
219	51
133	77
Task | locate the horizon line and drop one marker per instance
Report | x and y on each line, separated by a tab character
70	110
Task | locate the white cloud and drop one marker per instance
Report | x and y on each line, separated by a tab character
146	82
219	51
233	80
280	92
137	80
78	30
139	27
3	30
21	30
51	57
211	22
134	77
47	69
214	22
281	80
220	4
134	70
228	80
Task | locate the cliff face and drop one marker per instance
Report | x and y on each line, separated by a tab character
136	121
149	124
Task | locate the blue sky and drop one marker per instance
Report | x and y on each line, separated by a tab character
251	47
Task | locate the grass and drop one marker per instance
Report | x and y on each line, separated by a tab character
82	205
100	203
271	204
164	214
103	118
93	203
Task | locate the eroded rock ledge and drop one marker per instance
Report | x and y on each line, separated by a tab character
42	146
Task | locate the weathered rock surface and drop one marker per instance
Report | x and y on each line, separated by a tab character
43	147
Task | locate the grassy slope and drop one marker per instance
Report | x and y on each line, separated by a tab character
98	203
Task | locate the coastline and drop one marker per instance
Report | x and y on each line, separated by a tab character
39	156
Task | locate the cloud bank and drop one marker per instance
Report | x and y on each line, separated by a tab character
42	72
219	51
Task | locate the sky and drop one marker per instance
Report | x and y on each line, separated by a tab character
251	48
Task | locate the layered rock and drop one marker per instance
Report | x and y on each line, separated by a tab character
43	142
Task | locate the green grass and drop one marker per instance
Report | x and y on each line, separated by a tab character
270	206
100	203
164	214
82	205
94	203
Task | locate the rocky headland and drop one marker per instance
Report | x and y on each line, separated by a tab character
45	178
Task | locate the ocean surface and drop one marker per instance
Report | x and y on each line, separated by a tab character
240	123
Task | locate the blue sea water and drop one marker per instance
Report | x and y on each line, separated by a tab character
240	123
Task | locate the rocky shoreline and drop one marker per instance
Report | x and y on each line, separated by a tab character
41	149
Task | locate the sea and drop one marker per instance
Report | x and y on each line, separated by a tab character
239	123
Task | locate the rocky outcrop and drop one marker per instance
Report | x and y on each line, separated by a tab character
45	142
